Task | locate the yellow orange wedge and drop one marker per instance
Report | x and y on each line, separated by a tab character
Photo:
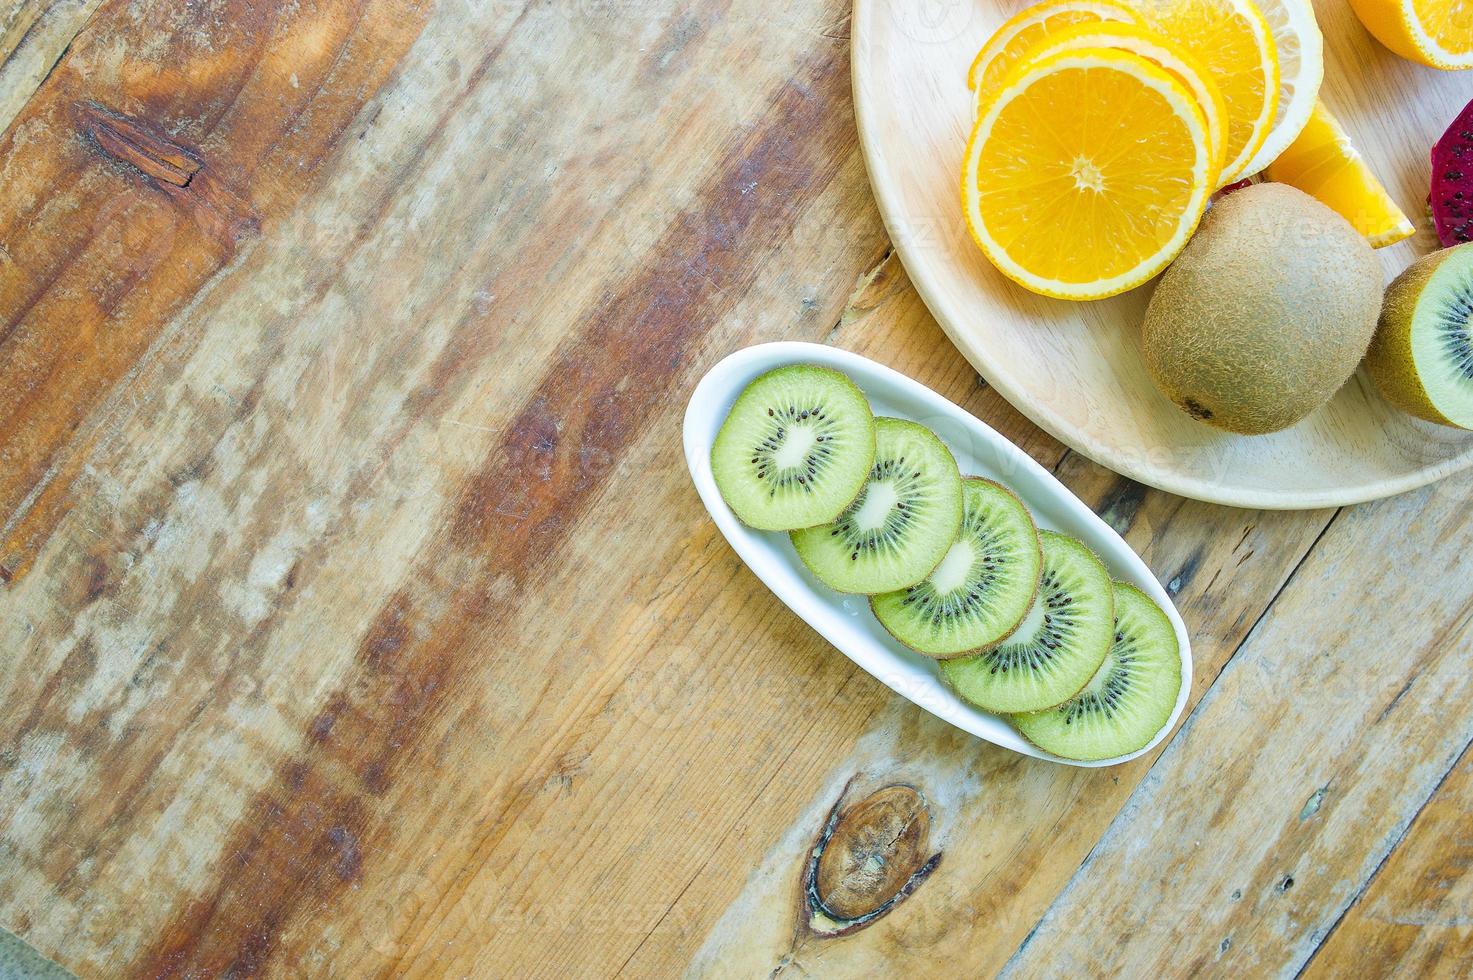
1008	43
1153	47
1232	39
1324	164
1300	48
1438	33
1086	173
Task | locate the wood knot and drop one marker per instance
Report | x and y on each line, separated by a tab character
140	144
867	859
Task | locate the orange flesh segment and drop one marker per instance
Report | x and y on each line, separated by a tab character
1043	182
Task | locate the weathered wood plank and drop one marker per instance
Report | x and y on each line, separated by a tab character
363	615
1301	768
289	585
519	509
1416	917
34	35
102	248
1012	830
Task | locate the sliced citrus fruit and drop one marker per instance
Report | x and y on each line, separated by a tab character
1233	40
1153	47
1087	173
1438	33
1301	51
1324	164
1024	29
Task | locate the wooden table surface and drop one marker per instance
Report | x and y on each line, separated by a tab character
359	618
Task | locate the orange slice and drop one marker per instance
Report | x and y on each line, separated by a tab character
1153	47
1301	52
1027	27
1324	164
1087	173
1437	33
1231	38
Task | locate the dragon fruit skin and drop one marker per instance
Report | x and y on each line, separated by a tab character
1452	181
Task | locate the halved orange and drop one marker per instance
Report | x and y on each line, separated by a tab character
1087	173
1027	27
1153	47
1233	40
1437	33
1324	164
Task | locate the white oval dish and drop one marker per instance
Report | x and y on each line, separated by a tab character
845	620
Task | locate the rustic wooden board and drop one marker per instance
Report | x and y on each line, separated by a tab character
1299	771
360	616
1076	368
1414	918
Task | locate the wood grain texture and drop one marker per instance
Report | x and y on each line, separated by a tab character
361	616
1298	772
1076	368
340	403
34	34
1416	916
106	239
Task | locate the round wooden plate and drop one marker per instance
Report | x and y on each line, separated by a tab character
1075	368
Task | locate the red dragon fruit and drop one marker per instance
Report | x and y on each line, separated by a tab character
1452	181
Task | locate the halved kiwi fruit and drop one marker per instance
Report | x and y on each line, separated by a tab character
1129	698
795	449
1060	644
901	524
1422	355
984	585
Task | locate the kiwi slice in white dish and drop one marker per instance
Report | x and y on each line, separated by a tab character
1060	644
795	449
984	585
901	524
1129	698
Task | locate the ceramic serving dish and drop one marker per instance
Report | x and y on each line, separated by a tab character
845	620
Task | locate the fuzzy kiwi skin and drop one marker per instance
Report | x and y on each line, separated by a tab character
1389	362
1266	312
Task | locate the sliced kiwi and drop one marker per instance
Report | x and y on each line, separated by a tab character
1061	643
1129	698
795	449
984	585
1422	355
901	524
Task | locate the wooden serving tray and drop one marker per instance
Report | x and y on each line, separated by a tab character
1075	368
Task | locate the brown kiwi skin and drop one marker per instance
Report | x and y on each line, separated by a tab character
947	680
1389	362
1038	547
1266	312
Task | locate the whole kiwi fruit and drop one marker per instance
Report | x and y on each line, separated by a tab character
1265	313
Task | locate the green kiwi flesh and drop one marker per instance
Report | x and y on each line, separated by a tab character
795	449
1129	698
1443	350
984	585
1421	358
901	524
1060	644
